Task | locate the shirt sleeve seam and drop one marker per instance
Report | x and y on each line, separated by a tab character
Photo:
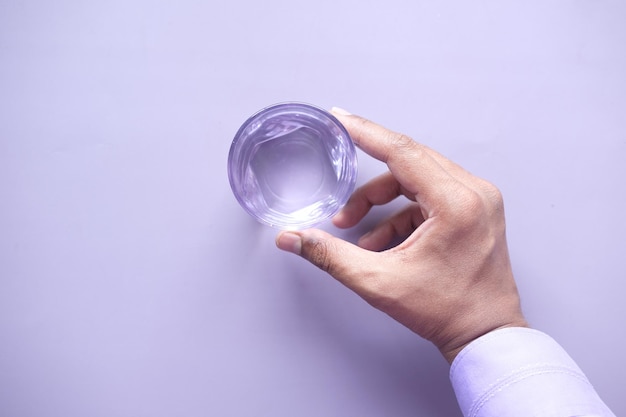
518	376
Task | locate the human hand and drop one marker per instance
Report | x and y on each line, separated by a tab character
450	280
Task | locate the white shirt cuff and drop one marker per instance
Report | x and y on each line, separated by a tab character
518	371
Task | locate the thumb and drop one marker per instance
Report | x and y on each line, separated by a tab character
339	258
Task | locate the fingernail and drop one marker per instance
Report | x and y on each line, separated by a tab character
289	242
339	110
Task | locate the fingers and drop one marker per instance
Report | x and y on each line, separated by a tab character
400	225
346	262
380	190
411	163
447	164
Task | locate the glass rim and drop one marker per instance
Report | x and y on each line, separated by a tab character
236	169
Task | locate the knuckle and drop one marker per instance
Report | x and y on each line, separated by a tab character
319	254
494	195
477	212
469	208
492	198
400	142
401	145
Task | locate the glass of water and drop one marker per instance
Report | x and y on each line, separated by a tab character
292	165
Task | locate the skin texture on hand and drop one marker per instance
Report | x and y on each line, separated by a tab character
450	280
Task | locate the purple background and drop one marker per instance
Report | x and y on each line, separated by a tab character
131	282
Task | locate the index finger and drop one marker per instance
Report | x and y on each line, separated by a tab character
410	162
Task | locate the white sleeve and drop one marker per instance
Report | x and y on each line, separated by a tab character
522	372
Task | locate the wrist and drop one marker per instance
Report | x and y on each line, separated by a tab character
450	351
